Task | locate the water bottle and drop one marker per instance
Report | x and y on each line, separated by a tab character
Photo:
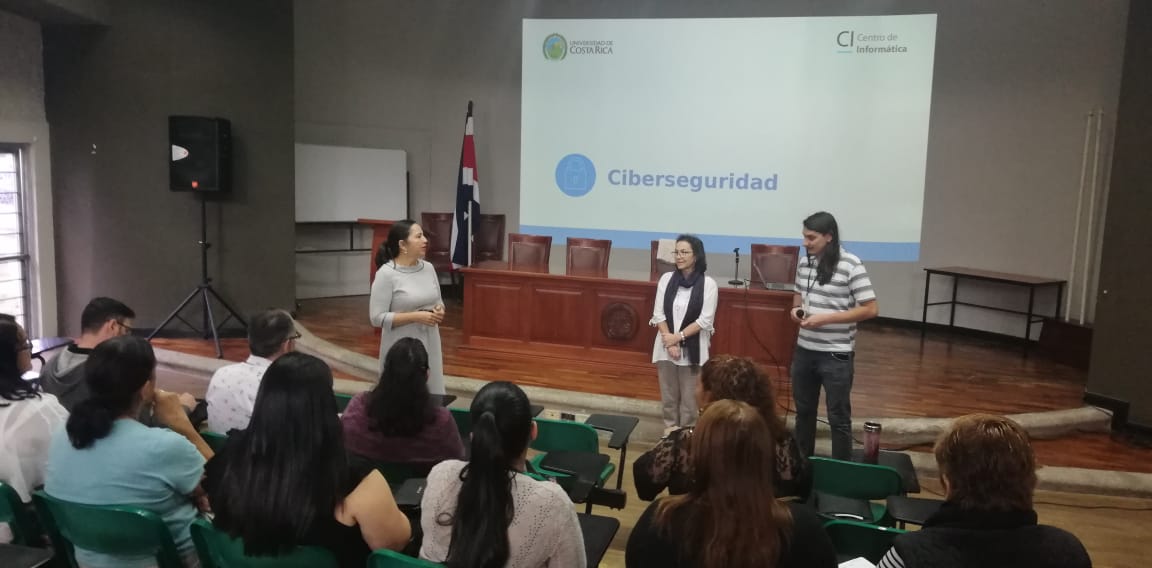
871	442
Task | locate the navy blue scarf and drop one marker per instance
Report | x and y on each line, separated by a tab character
695	306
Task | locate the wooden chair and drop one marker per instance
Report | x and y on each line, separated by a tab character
529	252
488	237
587	257
658	266
774	263
438	228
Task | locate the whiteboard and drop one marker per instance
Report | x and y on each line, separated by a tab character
341	183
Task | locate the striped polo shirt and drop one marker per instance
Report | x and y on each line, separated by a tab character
848	288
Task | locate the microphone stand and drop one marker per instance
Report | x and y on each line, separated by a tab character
736	281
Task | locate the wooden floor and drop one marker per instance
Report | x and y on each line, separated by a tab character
896	373
896	376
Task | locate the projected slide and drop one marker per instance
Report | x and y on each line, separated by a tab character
733	129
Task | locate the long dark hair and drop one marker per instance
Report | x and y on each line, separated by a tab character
400	405
390	248
288	469
731	516
501	426
824	223
12	384
115	372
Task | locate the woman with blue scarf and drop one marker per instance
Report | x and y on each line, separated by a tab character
685	311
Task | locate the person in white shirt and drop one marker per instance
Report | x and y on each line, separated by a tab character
684	312
487	511
27	418
232	390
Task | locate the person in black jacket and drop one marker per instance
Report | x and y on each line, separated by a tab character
987	521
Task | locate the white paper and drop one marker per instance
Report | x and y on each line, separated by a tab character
858	562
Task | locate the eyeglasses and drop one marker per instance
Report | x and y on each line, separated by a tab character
294	336
26	346
682	253
127	328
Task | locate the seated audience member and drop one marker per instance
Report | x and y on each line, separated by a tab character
63	376
27	418
105	457
989	474
724	377
730	518
486	512
285	481
396	422
232	390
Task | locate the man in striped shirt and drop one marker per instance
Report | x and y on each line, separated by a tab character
833	293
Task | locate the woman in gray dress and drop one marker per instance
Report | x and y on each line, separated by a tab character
406	300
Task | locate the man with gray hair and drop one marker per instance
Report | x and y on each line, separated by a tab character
232	391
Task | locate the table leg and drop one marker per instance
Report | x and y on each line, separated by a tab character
924	315
1060	299
952	312
1028	325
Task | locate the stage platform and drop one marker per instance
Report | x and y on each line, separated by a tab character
899	379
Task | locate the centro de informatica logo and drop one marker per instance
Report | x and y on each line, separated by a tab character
850	41
576	176
555	47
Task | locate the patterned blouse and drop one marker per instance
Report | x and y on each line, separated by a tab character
667	466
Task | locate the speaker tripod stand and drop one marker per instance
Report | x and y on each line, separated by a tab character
206	292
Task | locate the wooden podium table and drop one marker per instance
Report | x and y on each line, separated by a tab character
603	322
380	228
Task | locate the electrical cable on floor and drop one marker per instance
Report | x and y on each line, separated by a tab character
775	362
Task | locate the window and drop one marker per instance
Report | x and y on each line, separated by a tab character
14	259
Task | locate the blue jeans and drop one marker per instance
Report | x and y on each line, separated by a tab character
833	371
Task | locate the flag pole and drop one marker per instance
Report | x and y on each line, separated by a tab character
471	211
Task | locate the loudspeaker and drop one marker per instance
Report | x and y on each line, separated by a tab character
201	154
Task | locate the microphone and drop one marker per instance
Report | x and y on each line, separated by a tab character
736	281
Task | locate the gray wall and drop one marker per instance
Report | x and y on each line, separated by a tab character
23	121
109	93
21	70
1013	82
1124	328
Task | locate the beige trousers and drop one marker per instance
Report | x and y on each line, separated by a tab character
678	393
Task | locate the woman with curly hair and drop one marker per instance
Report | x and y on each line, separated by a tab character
734	378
